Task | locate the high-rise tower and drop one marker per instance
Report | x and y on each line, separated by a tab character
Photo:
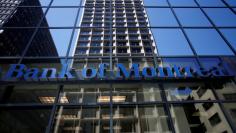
117	29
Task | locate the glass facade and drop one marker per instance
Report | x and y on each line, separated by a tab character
85	33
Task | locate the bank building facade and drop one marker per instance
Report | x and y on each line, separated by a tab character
117	66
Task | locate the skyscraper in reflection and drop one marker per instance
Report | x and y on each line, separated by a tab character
14	41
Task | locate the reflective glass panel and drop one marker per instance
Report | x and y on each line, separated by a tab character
182	3
221	16
199	117
214	45
171	42
155	3
191	17
24	121
186	91
210	3
230	34
161	17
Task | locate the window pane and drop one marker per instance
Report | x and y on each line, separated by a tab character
44	2
231	2
66	3
58	17
221	16
231	110
230	35
186	91
24	121
191	17
43	94
155	3
50	42
226	91
16	46
182	3
161	17
208	42
199	117
210	3
171	42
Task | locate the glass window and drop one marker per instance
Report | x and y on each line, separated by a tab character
153	119
210	3
161	17
182	3
66	3
171	42
42	94
221	16
44	2
191	17
231	2
50	42
208	42
230	34
136	93
193	118
59	17
155	3
226	91
192	62
24	121
185	91
231	110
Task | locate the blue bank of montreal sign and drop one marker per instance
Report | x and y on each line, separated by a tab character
22	72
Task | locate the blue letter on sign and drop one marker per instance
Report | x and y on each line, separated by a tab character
15	71
133	70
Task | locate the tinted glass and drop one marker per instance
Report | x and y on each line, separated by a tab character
191	17
161	17
155	3
221	16
182	3
230	34
214	45
171	42
210	3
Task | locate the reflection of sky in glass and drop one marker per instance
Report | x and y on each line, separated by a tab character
66	3
171	42
61	17
230	35
61	39
182	3
45	2
161	17
191	17
208	42
221	16
155	3
210	3
231	2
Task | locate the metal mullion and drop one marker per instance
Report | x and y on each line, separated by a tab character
54	109
167	108
185	34
111	64
34	33
73	32
215	27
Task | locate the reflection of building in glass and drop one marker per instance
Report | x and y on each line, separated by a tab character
13	40
130	37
